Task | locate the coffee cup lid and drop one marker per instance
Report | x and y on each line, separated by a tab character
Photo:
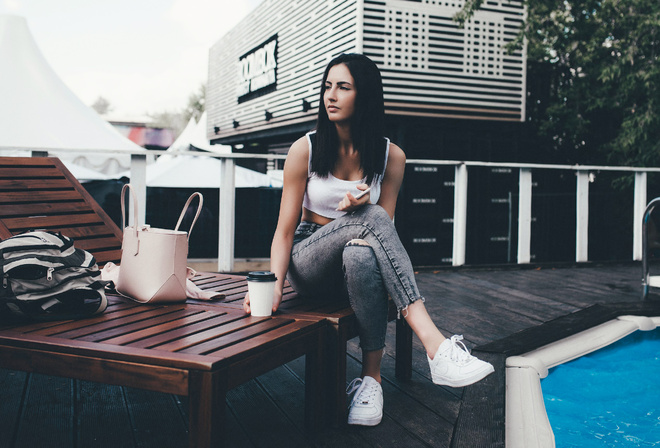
261	276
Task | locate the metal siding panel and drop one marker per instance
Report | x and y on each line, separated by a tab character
427	59
308	34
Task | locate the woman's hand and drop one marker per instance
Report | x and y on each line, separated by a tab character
246	303
277	299
349	203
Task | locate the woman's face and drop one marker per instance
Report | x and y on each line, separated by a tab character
339	95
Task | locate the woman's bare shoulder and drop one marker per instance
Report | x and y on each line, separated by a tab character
298	157
299	149
396	154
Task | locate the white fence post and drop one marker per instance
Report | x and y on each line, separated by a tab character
139	184
460	214
524	215
226	228
639	206
582	217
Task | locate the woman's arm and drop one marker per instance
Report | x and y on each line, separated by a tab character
293	190
389	190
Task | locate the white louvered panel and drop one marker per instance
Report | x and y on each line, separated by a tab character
475	92
469	98
484	45
407	38
417	80
427	59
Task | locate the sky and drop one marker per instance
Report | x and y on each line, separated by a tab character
143	56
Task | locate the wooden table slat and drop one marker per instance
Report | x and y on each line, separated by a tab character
139	330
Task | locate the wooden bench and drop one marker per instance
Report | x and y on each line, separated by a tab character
343	326
185	349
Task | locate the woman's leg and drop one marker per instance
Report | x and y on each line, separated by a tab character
371	364
455	367
368	299
372	224
425	329
314	262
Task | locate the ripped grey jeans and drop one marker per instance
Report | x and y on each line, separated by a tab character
326	263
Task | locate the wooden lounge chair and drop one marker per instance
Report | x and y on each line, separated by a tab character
40	193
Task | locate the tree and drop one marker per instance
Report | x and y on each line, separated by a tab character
102	106
593	77
177	120
167	119
196	104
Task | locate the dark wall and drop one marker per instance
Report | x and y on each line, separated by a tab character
255	218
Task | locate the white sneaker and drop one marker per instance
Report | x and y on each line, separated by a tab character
453	365
366	408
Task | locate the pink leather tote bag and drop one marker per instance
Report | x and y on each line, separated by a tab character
153	261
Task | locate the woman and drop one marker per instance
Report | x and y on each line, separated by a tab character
345	243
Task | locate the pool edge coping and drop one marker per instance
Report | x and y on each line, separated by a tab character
526	420
481	417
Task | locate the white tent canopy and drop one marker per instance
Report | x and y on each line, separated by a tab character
39	112
184	171
200	172
200	140
182	142
85	174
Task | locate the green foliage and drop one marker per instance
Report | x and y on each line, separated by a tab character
102	106
177	120
196	104
169	120
593	78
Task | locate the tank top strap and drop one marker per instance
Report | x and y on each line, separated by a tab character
387	153
309	161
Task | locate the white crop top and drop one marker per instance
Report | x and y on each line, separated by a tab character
322	195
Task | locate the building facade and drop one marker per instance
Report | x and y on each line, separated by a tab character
264	75
451	92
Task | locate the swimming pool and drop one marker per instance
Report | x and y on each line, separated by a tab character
527	424
610	397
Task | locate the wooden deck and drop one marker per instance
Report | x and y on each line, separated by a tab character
490	307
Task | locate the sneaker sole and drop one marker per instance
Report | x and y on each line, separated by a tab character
463	381
365	422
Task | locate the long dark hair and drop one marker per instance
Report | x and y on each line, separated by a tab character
367	122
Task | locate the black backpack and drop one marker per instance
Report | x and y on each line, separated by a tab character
44	277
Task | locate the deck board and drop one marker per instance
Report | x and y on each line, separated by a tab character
489	306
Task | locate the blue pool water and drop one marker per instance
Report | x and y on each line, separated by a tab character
608	398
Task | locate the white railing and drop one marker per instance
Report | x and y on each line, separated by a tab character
227	195
525	204
227	200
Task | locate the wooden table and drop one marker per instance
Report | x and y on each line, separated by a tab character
188	349
342	326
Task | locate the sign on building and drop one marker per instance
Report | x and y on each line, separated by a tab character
257	71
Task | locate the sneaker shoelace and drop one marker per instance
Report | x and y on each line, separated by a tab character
364	393
458	351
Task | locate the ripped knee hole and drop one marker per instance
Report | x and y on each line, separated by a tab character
357	242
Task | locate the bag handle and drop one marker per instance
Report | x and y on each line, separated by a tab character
185	208
123	207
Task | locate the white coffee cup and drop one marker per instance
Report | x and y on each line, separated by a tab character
261	286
